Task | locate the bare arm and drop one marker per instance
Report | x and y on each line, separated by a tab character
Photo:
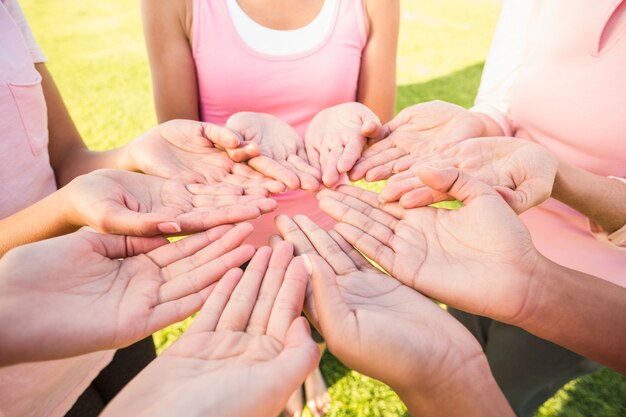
69	157
601	199
167	29
377	78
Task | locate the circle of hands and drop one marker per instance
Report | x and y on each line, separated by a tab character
249	336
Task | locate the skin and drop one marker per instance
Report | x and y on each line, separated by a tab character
245	353
167	30
425	355
185	150
480	259
282	155
521	171
103	292
418	130
128	203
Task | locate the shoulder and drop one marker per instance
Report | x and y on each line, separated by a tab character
168	14
383	15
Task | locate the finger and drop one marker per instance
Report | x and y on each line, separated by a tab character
237	313
334	315
173	311
298	358
361	201
115	246
205	219
403	164
290	299
290	231
325	246
222	136
330	175
526	195
273	169
381	172
256	179
373	129
243	152
212	201
422	197
307	181
377	148
393	191
184	248
401	176
357	258
314	157
270	287
367	244
202	277
221	245
123	221
351	153
367	163
207	319
274	240
302	164
456	183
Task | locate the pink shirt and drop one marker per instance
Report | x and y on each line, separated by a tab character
556	75
43	388
233	77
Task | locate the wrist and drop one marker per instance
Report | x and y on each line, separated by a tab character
69	216
122	158
470	390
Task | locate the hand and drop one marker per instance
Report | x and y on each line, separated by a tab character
86	292
521	171
245	353
128	203
417	130
478	258
185	150
336	136
384	329
282	155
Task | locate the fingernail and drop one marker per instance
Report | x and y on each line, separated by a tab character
169	227
381	199
307	264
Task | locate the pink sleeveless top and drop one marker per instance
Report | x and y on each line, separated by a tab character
233	77
569	96
42	388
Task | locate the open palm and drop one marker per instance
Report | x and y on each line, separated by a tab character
477	258
246	352
86	292
186	150
282	155
417	130
521	171
134	204
366	314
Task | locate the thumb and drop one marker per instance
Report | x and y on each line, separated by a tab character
454	182
221	136
372	128
330	306
123	221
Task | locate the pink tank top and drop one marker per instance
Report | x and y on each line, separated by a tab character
233	77
570	97
43	388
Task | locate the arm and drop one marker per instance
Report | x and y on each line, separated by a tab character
601	199
377	77
167	29
69	157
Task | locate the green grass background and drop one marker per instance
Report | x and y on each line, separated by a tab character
97	57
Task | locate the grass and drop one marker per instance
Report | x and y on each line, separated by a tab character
97	56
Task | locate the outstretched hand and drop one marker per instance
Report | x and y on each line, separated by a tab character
282	155
336	137
478	258
245	353
384	329
191	152
129	203
521	171
418	130
86	292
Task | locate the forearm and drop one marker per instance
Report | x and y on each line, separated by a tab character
601	199
79	161
580	312
470	391
44	219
